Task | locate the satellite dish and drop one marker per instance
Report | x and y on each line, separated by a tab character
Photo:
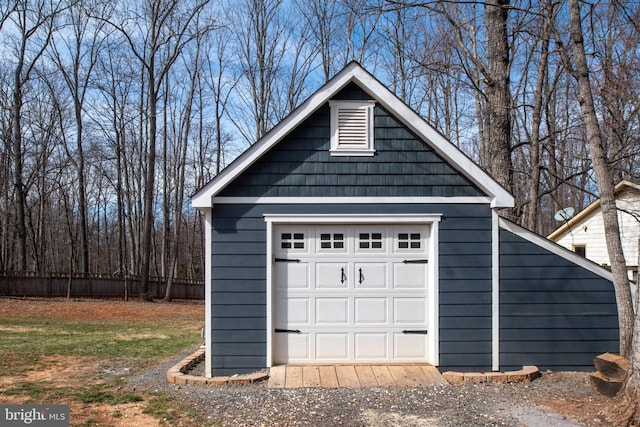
564	214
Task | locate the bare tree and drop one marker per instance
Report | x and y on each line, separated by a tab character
576	62
262	39
75	58
34	23
165	27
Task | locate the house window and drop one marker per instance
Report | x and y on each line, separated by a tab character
580	250
352	128
292	240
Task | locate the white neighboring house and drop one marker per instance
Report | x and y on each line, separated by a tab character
584	233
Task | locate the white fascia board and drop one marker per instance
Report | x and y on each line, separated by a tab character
500	198
556	249
351	200
202	198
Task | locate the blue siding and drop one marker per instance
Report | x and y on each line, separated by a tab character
553	313
301	165
239	281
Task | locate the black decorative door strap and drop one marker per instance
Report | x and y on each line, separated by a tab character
287	260
287	331
415	261
416	332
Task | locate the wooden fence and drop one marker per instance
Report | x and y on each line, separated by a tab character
28	284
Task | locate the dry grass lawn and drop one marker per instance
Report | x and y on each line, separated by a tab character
77	352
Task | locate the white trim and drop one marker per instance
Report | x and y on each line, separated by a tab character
344	148
495	291
207	291
433	293
432	267
353	72
353	218
350	200
556	249
269	301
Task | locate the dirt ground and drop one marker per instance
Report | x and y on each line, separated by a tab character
70	371
61	371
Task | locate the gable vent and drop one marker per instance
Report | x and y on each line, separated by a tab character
352	128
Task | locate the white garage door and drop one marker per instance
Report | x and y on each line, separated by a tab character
350	293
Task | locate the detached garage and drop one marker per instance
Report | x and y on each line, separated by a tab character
353	232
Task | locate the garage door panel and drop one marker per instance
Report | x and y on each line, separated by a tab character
296	312
290	275
370	275
332	311
371	310
332	275
409	346
409	276
332	346
409	311
289	347
371	346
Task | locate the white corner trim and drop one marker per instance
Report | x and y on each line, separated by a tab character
433	293
208	303
495	291
556	249
269	301
350	200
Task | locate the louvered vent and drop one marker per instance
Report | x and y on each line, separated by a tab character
352	128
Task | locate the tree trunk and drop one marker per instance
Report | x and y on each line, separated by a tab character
604	178
498	115
534	179
149	185
627	411
16	134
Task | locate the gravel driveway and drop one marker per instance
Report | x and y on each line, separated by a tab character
556	399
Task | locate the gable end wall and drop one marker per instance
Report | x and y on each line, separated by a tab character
301	165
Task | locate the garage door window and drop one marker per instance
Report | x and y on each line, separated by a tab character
370	240
332	241
292	241
409	241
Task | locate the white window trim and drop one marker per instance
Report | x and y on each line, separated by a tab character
433	355
345	149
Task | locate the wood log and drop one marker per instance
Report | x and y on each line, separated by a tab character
605	386
612	366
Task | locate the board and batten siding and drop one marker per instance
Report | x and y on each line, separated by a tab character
239	271
554	313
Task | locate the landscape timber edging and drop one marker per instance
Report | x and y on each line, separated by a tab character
526	374
177	373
